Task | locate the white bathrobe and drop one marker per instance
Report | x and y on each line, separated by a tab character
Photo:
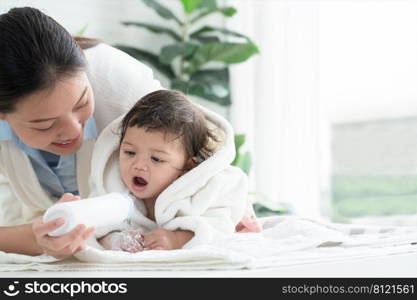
118	81
208	200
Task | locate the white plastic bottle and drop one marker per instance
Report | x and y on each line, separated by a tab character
97	211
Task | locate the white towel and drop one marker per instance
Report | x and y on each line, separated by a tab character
285	241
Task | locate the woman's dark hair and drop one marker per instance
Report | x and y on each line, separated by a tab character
35	52
171	112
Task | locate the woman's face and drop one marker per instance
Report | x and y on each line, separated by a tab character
53	120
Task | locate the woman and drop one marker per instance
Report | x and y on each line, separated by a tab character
49	90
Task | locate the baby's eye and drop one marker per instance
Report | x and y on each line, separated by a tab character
129	153
156	159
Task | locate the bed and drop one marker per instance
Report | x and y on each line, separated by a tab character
289	246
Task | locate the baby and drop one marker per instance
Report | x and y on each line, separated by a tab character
163	137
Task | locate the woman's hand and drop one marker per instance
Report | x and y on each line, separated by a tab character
162	239
65	245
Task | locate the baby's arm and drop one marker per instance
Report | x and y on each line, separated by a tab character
162	239
128	240
106	241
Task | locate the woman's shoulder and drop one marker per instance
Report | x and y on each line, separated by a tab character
118	81
104	57
100	50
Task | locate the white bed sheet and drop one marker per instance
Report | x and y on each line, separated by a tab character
288	247
400	265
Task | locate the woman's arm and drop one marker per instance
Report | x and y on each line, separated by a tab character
62	246
33	239
19	239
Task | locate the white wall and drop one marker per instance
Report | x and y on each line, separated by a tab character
368	58
102	16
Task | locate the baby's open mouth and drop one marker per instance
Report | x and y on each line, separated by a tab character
139	181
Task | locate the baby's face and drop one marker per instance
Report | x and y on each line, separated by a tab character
150	161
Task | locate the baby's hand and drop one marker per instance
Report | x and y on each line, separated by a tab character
129	241
162	239
132	241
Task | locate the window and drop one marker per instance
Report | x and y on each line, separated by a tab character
368	79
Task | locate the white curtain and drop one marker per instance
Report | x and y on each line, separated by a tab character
276	103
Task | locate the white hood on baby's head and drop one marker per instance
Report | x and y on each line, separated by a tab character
105	163
213	191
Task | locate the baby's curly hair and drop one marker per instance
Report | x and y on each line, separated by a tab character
172	112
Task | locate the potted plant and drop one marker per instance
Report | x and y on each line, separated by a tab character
187	60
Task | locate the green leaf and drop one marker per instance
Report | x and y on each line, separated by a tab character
226	11
237	157
229	53
162	10
169	53
212	85
82	30
245	162
205	91
269	209
239	141
212	29
151	58
218	75
206	39
199	89
208	4
190	5
179	85
215	83
155	29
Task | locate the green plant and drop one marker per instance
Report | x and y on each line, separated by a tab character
262	206
82	30
242	160
187	61
372	195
